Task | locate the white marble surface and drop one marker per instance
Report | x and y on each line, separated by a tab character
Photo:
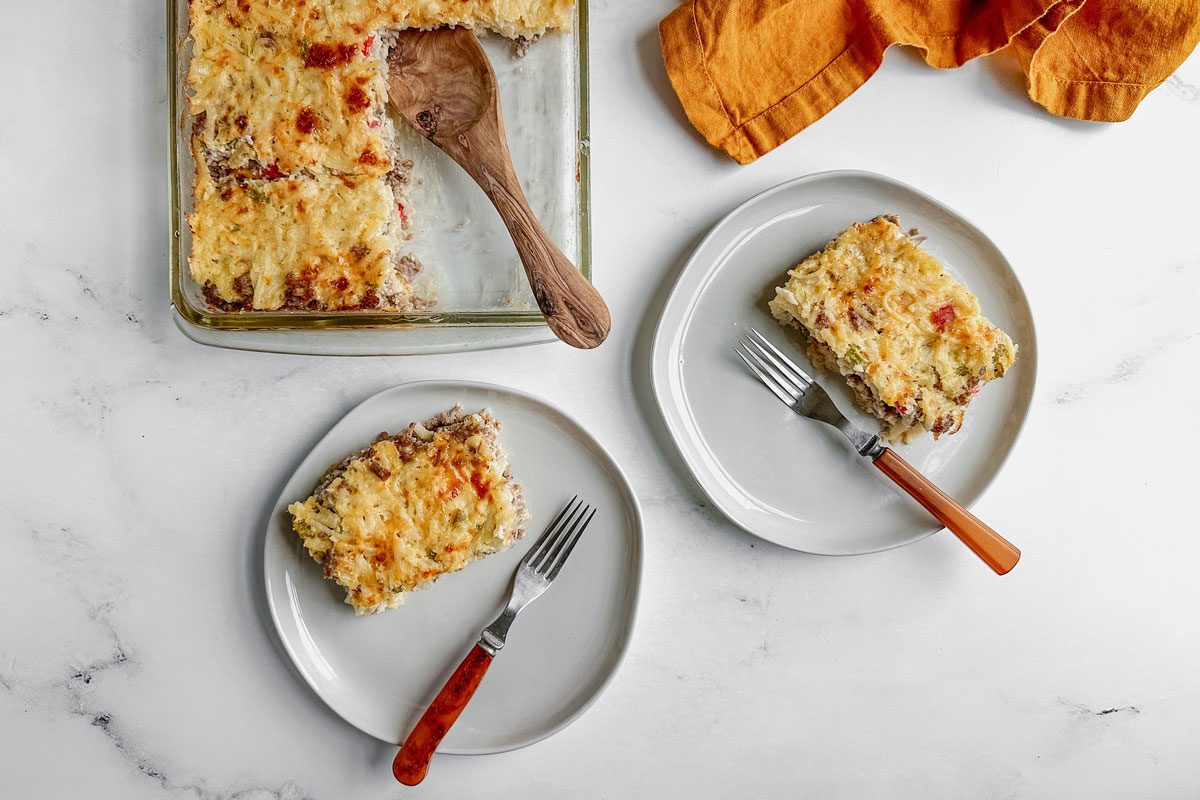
136	469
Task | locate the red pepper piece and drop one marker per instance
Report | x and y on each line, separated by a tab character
943	317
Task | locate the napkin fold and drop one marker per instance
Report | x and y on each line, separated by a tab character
753	73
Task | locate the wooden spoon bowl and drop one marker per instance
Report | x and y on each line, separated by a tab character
443	84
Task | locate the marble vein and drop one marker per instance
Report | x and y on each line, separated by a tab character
1126	368
1180	88
145	765
1081	710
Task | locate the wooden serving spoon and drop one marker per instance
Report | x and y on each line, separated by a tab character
443	84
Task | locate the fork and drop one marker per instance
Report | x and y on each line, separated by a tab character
797	389
536	572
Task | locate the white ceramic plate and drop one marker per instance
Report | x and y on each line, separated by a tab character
381	672
786	479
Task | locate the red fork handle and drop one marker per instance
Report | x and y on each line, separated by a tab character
412	762
995	551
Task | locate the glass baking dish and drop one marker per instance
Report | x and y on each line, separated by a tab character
482	299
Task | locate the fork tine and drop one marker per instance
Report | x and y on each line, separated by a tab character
792	387
767	380
539	547
558	565
780	355
545	567
788	376
555	542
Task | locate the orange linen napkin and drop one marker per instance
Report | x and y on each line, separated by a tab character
753	73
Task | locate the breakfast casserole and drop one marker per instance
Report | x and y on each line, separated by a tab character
909	339
412	507
300	195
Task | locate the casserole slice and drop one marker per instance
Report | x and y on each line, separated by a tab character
412	507
909	338
301	242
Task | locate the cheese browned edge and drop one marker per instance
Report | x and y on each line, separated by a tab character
413	506
909	338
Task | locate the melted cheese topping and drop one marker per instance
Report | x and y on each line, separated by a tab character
346	20
263	106
302	243
883	312
410	509
281	89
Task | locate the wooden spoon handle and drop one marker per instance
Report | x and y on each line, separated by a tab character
412	762
573	308
996	551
